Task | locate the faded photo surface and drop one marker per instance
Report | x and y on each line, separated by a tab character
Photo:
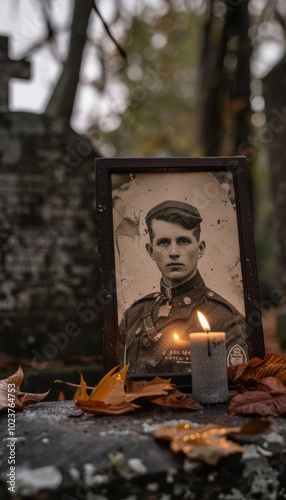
134	195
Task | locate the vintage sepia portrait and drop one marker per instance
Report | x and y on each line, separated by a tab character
176	250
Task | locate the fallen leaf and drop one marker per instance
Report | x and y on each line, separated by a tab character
272	365
206	443
270	399
81	392
143	388
17	400
97	407
110	389
179	400
108	396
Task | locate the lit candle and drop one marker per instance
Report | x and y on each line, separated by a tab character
208	363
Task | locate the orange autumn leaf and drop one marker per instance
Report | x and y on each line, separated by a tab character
110	389
206	443
81	393
17	398
108	396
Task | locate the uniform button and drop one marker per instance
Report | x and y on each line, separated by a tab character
187	301
210	294
138	330
146	342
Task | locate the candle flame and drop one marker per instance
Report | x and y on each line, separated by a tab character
203	321
176	337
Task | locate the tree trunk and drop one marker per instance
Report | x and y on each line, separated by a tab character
62	100
225	83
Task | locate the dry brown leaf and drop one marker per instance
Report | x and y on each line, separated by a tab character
206	443
20	399
270	399
179	400
272	365
262	384
143	388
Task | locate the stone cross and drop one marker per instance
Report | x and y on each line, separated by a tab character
9	69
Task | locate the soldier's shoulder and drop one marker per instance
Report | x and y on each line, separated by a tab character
213	296
146	299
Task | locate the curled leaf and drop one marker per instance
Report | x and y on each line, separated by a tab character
16	399
269	401
108	397
272	365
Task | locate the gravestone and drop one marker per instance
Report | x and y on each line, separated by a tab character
48	273
48	238
274	88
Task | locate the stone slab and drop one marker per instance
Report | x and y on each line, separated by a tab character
60	457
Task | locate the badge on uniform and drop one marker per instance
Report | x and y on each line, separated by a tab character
236	356
164	311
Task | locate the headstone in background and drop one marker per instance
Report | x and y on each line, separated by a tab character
274	89
48	268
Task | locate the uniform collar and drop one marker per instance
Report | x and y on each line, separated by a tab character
184	288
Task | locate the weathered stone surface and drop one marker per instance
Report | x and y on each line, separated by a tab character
79	451
48	241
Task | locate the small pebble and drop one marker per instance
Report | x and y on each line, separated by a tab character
152	487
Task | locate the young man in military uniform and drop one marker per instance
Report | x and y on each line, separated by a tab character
154	333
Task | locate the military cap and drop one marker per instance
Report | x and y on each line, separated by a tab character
170	205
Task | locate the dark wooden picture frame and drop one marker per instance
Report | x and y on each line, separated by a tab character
115	180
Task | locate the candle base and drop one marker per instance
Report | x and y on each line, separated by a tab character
210	399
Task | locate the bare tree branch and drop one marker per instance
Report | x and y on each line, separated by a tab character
120	49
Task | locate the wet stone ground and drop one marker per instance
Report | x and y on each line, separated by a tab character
99	458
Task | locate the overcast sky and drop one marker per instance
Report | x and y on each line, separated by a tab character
22	21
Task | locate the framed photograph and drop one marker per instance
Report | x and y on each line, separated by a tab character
175	237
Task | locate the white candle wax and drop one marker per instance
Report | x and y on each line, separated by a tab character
209	369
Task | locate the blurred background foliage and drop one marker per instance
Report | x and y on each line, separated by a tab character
168	78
